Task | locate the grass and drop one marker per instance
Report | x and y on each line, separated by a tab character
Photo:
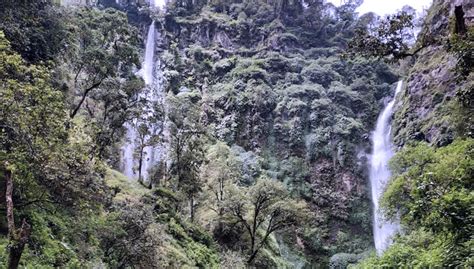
126	188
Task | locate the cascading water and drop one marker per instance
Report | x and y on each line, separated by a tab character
129	149
157	3
148	64
380	174
154	95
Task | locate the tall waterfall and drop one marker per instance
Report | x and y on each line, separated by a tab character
148	64
154	95
157	3
380	174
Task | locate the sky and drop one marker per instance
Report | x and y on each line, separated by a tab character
382	7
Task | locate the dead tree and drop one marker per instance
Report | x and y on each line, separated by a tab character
18	237
460	26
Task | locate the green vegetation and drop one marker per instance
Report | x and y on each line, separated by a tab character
271	85
432	194
389	38
431	189
265	121
265	202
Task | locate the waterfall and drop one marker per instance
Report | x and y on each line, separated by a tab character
148	64
380	174
157	3
154	95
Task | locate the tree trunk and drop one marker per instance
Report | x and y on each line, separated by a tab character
83	98
16	248
252	249
140	164
460	26
254	253
253	233
9	203
252	257
191	204
18	238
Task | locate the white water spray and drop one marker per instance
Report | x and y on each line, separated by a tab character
153	94
157	3
148	64
380	174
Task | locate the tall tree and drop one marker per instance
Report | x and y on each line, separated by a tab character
119	103
36	29
146	138
187	136
44	165
26	104
220	171
105	46
263	209
389	38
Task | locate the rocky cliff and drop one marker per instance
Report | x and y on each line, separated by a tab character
430	109
271	84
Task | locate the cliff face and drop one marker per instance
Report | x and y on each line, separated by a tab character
272	85
264	120
430	110
76	2
430	191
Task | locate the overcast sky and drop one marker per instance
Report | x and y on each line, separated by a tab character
383	7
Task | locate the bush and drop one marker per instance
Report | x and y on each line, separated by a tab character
431	194
342	260
247	71
318	74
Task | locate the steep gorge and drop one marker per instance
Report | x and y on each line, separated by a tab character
238	108
261	100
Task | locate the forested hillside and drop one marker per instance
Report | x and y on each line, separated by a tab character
431	191
231	134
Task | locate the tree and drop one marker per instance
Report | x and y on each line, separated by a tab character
36	29
187	136
17	237
431	194
389	38
434	185
25	100
129	233
263	209
346	12
94	52
461	44
44	164
220	171
102	56
119	103
146	138
105	47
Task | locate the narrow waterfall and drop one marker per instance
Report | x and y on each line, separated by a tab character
148	63
154	95
380	174
157	3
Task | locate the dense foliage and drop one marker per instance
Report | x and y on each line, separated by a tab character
432	194
271	84
265	124
431	190
389	38
48	164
